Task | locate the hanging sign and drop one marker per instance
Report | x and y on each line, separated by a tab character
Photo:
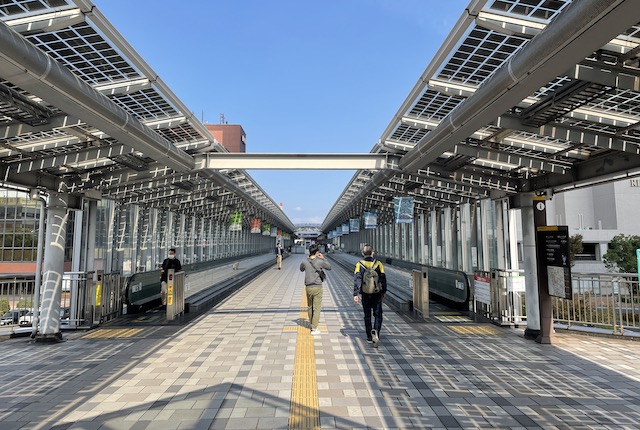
235	221
256	225
370	220
403	207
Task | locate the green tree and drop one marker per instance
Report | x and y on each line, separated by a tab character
4	305
621	256
575	247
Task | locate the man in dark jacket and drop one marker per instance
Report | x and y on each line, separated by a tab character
279	254
169	263
370	302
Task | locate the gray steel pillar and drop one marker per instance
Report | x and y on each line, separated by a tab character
530	272
92	220
53	268
500	235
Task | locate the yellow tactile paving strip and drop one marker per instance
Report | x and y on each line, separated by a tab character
475	329
304	411
105	333
452	318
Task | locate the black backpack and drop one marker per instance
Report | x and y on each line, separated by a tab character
370	279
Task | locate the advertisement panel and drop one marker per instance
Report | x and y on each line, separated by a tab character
256	225
370	220
403	208
235	221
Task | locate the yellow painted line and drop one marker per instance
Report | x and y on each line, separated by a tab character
104	333
304	411
475	329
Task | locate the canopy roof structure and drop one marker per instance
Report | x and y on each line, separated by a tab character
523	96
81	112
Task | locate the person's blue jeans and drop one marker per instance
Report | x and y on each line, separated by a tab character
372	303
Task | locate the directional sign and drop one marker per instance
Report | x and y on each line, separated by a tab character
553	254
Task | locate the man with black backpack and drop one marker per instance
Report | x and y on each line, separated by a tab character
370	281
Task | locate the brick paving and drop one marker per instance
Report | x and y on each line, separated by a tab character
233	368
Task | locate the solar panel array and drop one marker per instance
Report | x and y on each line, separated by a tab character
40	141
548	139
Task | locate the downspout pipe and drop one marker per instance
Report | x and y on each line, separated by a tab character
31	69
34	194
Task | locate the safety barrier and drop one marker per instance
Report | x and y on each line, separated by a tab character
420	286
604	301
86	299
499	295
175	294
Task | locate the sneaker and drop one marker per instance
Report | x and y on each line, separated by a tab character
369	340
374	338
315	331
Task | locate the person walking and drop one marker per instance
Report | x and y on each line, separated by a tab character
279	254
171	262
370	281
313	278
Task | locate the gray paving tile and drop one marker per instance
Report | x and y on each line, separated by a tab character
232	368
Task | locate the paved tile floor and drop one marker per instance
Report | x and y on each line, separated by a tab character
233	368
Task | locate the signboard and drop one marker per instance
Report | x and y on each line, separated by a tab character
370	220
403	208
345	228
235	221
482	289
553	255
516	284
256	225
354	225
274	231
266	229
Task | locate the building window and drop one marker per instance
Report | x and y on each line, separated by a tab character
588	252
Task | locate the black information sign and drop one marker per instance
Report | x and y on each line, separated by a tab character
553	255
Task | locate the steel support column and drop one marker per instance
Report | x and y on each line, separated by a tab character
53	267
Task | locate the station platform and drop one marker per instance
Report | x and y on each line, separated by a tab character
251	362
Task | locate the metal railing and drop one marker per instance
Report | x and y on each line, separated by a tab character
609	301
80	306
606	301
16	298
499	295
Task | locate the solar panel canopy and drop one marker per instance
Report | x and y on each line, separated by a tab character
82	113
524	96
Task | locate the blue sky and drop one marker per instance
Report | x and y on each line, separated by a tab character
299	76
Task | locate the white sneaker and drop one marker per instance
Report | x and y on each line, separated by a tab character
374	338
315	331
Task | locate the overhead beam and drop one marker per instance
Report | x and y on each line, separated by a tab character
46	22
509	158
218	161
